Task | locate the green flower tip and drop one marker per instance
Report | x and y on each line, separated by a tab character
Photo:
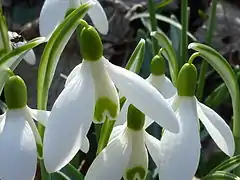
15	93
135	118
105	106
187	80
158	65
137	171
90	44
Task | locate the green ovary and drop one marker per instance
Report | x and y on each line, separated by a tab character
105	105
136	173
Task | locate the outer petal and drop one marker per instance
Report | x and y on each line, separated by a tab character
117	131
18	152
112	161
138	164
98	17
69	122
217	128
163	85
30	57
39	115
2	121
122	117
52	13
73	73
85	146
179	153
144	96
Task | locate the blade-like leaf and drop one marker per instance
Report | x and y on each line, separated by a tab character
163	3
168	53
4	39
53	50
164	19
227	165
135	61
221	175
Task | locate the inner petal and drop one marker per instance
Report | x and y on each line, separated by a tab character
106	96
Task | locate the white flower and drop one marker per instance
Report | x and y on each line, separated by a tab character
185	146
125	155
18	138
17	41
53	12
75	108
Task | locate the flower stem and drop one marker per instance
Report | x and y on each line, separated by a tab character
184	37
153	21
204	65
105	134
4	33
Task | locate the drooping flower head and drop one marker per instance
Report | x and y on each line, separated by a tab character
90	95
18	133
53	12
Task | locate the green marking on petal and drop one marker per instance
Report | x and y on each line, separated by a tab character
105	106
187	80
90	44
135	118
137	171
15	92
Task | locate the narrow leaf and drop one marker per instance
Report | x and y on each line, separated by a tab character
135	61
163	3
53	50
169	54
221	175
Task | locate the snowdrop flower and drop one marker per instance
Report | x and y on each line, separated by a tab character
53	12
185	146
18	133
126	154
17	41
90	95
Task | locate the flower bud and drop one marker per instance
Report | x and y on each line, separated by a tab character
135	118
15	93
158	65
90	44
187	80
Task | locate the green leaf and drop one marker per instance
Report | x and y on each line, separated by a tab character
163	3
228	165
53	50
168	53
4	39
221	175
135	61
164	19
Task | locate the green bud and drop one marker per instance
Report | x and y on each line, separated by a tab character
90	44
158	65
135	118
131	173
15	93
187	80
104	105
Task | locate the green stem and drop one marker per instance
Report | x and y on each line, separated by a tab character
153	21
204	65
4	33
184	37
105	134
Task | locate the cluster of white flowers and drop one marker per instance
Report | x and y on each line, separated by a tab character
91	94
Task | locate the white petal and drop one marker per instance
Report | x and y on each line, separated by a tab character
18	152
122	117
85	146
179	153
104	90
30	57
69	122
2	121
40	115
163	85
112	161
144	96
98	17
117	131
72	74
217	128
153	146
138	163
52	13
148	122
